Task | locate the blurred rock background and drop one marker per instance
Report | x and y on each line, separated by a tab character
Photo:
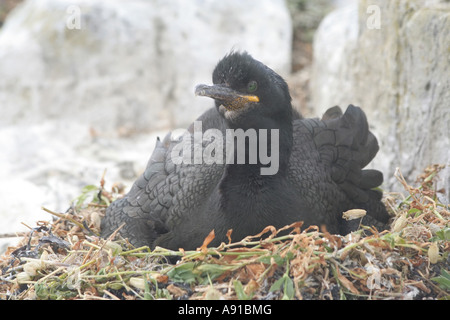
87	85
393	59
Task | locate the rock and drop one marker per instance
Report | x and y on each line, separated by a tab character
112	65
48	164
392	59
87	85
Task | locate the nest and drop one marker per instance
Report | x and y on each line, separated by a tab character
66	259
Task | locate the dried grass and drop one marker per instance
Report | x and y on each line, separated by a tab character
66	259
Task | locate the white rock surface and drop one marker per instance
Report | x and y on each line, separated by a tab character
132	65
76	101
392	59
48	164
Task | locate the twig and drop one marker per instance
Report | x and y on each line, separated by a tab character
110	294
13	235
64	216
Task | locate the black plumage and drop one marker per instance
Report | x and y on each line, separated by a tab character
320	169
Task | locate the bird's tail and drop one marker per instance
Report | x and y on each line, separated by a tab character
347	144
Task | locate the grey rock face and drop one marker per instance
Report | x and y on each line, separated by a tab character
134	65
392	59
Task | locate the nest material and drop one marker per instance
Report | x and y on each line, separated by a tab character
66	259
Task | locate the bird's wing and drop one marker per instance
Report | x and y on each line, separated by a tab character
165	192
143	198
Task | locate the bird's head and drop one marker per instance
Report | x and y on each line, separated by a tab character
247	93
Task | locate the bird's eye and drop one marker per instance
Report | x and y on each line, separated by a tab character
252	86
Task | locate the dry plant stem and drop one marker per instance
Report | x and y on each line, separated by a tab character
64	216
13	235
111	295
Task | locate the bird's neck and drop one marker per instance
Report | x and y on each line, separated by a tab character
244	188
261	154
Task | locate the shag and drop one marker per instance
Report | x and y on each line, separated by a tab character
314	168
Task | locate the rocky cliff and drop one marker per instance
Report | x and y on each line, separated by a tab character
392	58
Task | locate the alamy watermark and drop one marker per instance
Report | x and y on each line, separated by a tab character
374	20
238	145
73	20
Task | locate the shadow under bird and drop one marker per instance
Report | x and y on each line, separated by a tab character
319	172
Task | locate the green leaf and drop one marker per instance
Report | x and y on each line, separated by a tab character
212	270
239	288
86	191
89	188
277	284
41	291
285	283
183	273
288	289
414	210
443	280
443	234
392	239
275	258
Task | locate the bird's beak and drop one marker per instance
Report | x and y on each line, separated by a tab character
229	98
